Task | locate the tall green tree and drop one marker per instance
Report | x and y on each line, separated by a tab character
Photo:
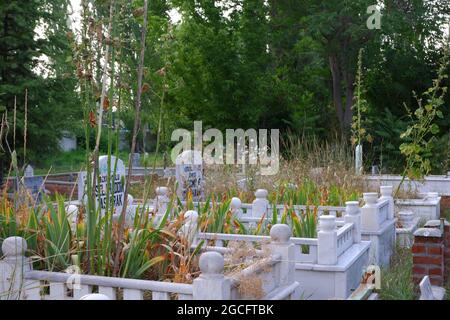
34	48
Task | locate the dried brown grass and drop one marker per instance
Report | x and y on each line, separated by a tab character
327	164
243	255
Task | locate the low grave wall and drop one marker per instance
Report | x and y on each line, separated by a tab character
18	281
333	263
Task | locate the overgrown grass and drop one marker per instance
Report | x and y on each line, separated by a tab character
55	242
396	283
307	166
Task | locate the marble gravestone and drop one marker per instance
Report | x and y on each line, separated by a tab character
29	171
136	159
117	189
189	175
429	292
34	186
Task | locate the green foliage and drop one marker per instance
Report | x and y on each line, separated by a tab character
385	152
58	237
310	193
396	282
36	64
421	133
275	64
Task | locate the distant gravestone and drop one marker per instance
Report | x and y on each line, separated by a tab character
124	144
68	141
117	184
29	171
358	159
33	185
136	160
189	175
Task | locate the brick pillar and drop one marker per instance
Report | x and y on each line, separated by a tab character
428	255
446	241
447	251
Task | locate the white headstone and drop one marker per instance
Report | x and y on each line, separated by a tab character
68	141
29	171
117	184
72	214
189	175
429	292
426	293
358	159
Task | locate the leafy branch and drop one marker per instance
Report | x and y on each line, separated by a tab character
359	133
421	133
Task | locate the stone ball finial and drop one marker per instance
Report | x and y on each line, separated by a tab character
14	246
370	197
162	191
235	203
211	263
261	193
386	191
191	216
280	233
327	223
95	296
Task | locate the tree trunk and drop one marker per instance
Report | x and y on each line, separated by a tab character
137	122
337	96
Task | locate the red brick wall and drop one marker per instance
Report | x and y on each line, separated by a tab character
431	254
428	259
447	252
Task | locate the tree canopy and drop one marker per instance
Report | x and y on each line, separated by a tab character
283	64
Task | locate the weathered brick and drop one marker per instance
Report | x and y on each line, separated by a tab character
435	250
418	248
428	239
428	260
437	281
419	270
436	271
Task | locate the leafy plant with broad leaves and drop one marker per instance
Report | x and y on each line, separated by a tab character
421	134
